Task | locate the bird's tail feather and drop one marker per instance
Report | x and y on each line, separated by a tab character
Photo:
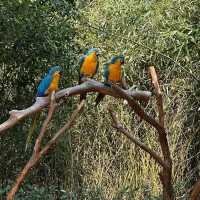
31	130
99	98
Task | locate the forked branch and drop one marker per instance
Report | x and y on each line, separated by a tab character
117	125
166	161
37	153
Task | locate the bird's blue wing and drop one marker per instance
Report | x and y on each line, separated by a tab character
81	61
44	85
82	58
106	72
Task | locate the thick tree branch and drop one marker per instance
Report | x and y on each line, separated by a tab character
37	153
88	86
117	125
195	191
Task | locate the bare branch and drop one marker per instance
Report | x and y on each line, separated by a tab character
88	86
45	124
38	154
165	174
137	108
158	92
117	125
63	129
195	191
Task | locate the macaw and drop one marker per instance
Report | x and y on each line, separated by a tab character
112	73
48	84
89	65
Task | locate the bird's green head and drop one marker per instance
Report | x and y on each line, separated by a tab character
95	51
116	59
55	69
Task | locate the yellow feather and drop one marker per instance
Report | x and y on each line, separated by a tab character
89	65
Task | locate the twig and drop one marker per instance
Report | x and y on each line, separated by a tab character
37	154
88	86
117	125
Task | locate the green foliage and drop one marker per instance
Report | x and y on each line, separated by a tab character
92	161
34	36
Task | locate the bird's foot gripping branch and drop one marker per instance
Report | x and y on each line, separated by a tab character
89	85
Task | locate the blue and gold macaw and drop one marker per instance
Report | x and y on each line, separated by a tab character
89	65
48	84
112	73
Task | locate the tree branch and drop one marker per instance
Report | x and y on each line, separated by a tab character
45	124
117	125
37	153
195	191
88	86
165	173
158	92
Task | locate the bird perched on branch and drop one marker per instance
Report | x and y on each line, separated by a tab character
50	82
89	64
47	85
112	73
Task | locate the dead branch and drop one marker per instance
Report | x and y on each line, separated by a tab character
37	153
159	97
45	124
138	109
88	86
195	191
117	125
166	172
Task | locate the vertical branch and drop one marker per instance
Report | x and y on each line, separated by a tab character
166	173
46	122
159	97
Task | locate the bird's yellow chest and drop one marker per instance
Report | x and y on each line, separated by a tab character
89	66
54	84
114	72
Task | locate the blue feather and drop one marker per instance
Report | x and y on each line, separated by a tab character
81	60
106	72
44	85
46	81
54	69
115	58
91	51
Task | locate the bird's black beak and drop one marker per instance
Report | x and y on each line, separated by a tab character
60	72
98	53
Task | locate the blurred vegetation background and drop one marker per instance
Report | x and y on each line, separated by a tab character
92	161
